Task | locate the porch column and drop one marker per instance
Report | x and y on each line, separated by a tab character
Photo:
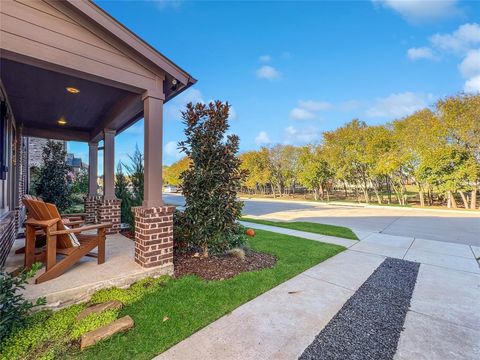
153	138
109	206
109	164
153	220
92	197
92	168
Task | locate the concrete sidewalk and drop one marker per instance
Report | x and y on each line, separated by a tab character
439	253
443	321
282	322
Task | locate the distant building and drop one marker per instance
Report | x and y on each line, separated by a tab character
75	163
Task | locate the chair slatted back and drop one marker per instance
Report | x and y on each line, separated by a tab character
40	210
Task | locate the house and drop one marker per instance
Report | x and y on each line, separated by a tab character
75	163
70	71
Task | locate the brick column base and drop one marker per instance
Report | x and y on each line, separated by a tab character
109	211
154	236
91	209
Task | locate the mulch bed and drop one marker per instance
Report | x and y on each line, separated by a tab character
129	234
221	267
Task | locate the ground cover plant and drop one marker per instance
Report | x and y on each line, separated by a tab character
323	229
165	310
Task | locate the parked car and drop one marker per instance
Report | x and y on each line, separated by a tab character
170	189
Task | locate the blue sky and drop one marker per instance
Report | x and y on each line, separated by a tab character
294	69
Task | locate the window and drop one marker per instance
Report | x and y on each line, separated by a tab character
7	177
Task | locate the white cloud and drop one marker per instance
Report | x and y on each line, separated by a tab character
171	149
421	10
420	53
463	42
301	114
472	85
307	109
459	41
265	58
399	105
135	129
262	139
470	66
268	72
233	114
174	108
295	136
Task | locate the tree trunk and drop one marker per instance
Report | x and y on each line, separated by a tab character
345	190
421	196
464	199
377	194
205	251
473	200
315	194
451	203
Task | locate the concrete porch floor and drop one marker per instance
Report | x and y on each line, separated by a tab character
79	282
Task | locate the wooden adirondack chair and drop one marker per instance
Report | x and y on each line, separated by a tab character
59	240
73	220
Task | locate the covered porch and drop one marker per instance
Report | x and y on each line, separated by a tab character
86	277
71	72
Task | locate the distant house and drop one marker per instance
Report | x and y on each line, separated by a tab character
75	163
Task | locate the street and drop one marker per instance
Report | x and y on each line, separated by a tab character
448	226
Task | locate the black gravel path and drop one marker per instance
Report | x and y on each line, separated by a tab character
368	326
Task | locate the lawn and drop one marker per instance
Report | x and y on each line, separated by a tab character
323	229
170	310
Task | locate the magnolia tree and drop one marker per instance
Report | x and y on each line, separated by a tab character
210	183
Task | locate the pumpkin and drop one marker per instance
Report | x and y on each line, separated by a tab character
250	232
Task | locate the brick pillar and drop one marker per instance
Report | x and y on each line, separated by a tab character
154	236
108	210
91	209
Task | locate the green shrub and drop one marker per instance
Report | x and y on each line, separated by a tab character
14	309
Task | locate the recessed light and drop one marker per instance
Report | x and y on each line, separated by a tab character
72	90
62	121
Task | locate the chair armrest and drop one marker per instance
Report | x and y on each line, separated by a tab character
78	222
79	215
81	229
42	223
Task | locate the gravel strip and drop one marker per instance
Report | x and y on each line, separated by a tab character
368	326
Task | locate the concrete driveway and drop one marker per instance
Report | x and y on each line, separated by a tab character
449	226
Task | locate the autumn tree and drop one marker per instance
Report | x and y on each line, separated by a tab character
314	171
171	174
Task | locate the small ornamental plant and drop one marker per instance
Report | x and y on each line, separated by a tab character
14	309
210	183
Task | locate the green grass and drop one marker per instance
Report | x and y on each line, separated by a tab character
323	229
191	303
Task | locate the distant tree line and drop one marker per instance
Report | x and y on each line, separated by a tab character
433	153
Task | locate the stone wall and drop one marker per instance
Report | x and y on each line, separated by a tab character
35	150
154	236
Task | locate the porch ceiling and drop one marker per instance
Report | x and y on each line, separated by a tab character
39	98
